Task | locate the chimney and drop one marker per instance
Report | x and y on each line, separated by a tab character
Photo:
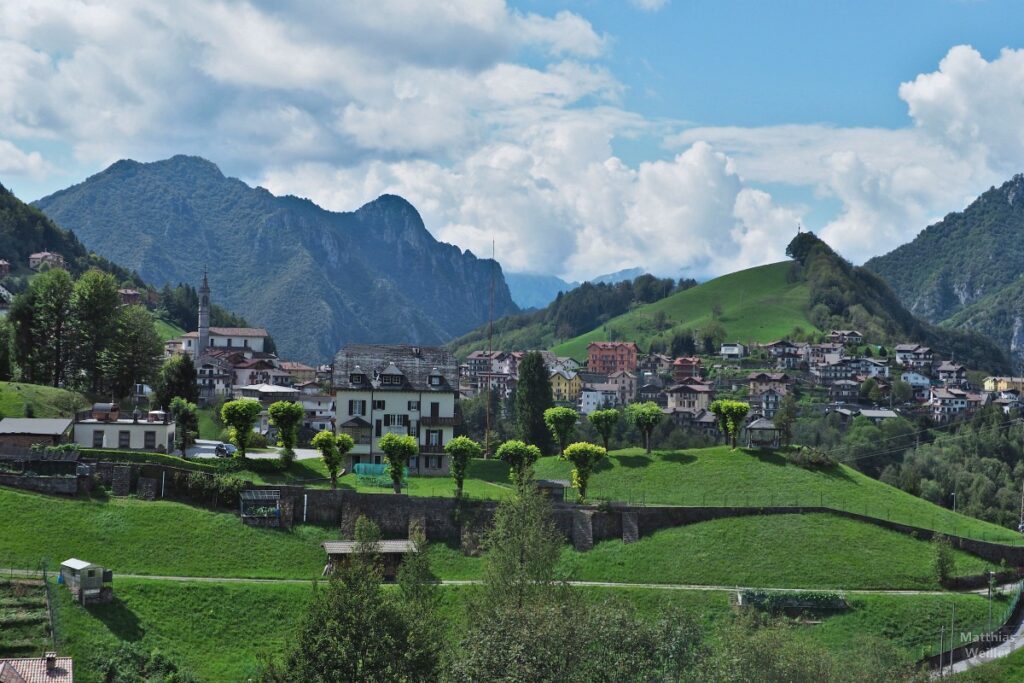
51	661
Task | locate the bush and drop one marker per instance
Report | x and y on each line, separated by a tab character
810	458
258	440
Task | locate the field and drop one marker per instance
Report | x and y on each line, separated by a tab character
24	627
167	330
45	401
757	305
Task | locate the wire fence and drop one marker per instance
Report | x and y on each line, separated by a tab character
957	634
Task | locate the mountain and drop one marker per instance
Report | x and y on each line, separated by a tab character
536	291
316	279
963	258
624	275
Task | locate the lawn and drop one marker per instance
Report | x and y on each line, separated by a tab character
160	537
45	401
779	551
756	304
720	476
208	429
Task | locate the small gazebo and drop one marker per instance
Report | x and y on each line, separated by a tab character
762	433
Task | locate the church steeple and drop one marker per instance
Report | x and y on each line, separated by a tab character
204	318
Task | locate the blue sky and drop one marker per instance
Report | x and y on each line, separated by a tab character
685	137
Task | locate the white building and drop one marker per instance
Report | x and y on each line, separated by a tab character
104	427
598	397
733	351
397	389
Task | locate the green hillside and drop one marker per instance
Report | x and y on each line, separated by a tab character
167	330
45	401
757	305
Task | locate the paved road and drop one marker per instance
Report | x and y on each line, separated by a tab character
204	449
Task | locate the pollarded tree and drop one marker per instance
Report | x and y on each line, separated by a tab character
344	444
562	423
325	442
520	458
460	450
240	416
645	417
186	424
730	416
604	422
583	457
398	448
286	416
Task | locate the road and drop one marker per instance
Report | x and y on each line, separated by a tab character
204	449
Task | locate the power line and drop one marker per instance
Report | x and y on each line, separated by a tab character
995	428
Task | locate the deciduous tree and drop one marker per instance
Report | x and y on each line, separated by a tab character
604	422
730	416
520	458
186	424
133	356
645	417
326	443
398	448
460	451
94	307
176	377
583	456
287	417
785	418
240	416
562	423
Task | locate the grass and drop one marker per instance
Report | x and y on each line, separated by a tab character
720	476
162	538
208	429
24	622
45	401
166	330
777	551
757	305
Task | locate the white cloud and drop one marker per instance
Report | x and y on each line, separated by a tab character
14	161
649	5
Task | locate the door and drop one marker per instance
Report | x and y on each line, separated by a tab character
435	409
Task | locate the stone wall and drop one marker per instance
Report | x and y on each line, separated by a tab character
58	485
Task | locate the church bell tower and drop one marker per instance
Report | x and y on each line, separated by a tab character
204	319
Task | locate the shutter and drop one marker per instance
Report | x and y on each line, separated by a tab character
351	405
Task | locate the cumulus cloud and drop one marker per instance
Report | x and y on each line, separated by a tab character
14	161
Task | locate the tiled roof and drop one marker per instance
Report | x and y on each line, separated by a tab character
233	332
414	362
34	670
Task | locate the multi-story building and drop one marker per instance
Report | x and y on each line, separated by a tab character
760	382
45	258
733	351
689	397
766	404
846	337
626	384
397	389
914	356
686	367
103	426
598	397
609	357
566	386
952	374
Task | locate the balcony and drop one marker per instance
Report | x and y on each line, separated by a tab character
431	421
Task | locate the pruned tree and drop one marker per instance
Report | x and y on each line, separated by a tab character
562	423
460	451
520	458
240	416
325	442
583	456
287	417
730	416
604	422
645	417
398	448
186	424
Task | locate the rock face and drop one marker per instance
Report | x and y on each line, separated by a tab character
316	279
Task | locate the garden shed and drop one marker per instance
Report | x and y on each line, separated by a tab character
89	583
260	507
391	553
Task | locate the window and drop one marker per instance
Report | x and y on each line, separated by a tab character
377	430
357	407
97	438
230	340
376	460
414	405
435	380
433	437
149	439
396	420
355	378
245	343
124	439
414	463
378	405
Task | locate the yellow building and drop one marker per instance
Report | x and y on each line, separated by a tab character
566	386
1004	384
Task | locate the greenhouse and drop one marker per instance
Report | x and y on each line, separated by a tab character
261	507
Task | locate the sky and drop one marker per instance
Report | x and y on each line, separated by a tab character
583	137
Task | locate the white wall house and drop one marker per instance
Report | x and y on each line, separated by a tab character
598	397
397	389
148	432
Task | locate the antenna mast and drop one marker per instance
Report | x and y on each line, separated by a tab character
490	359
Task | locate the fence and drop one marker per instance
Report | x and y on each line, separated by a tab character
990	633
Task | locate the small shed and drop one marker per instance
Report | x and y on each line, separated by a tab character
21	433
391	553
553	489
89	583
260	507
762	433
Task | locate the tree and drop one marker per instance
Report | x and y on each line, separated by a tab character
6	366
186	423
902	392
240	416
533	397
287	417
730	416
94	308
520	458
398	448
44	328
326	443
604	422
785	418
583	457
460	451
943	560
645	417
344	444
867	386
133	356
176	377
562	423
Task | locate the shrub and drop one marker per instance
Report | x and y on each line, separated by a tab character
810	458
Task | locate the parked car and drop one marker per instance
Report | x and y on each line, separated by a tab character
225	450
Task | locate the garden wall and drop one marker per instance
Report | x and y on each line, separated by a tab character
57	485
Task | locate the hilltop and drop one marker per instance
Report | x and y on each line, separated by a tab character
316	279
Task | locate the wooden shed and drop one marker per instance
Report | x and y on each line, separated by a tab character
89	583
391	553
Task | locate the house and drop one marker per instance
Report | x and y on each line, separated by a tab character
566	386
626	383
318	411
656	363
653	391
947	404
609	357
598	397
252	338
46	669
844	391
920	384
266	394
732	351
104	427
760	382
568	363
21	433
300	372
696	419
45	258
1004	384
818	352
874	367
780	347
845	337
762	433
685	368
129	297
408	390
689	396
878	415
89	584
952	374
835	368
914	356
5	268
766	403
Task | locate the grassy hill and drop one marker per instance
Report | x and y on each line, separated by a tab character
45	401
167	330
757	305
